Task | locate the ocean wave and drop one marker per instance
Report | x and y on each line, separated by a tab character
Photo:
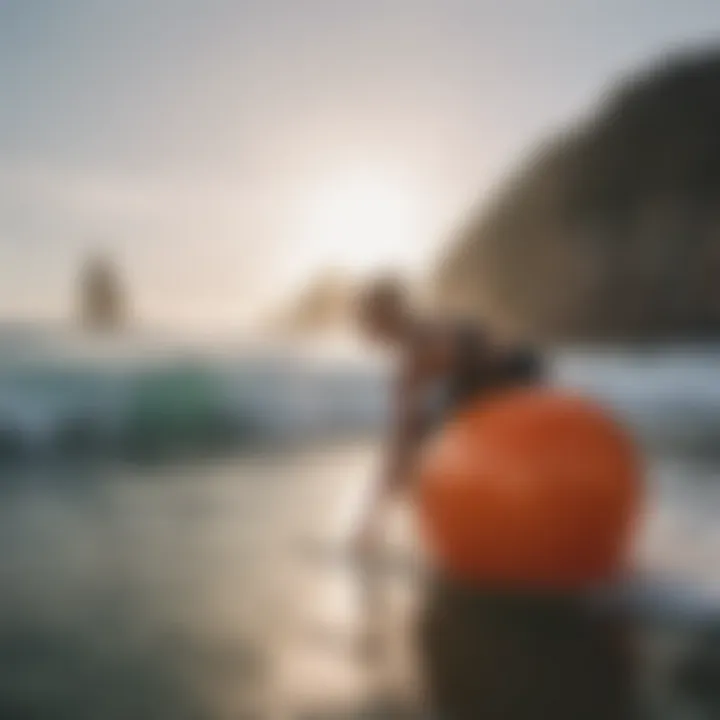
61	396
179	407
669	397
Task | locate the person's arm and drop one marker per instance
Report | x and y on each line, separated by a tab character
406	429
405	432
403	437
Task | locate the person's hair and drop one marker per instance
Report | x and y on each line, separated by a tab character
384	293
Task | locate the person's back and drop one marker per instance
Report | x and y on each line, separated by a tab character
476	369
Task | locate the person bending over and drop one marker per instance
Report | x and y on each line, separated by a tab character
442	364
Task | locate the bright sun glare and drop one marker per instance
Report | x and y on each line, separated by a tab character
362	223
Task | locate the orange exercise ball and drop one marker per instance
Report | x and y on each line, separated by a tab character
536	488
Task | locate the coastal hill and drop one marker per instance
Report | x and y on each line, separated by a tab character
324	304
611	231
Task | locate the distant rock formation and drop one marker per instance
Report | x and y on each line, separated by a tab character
102	301
323	304
612	230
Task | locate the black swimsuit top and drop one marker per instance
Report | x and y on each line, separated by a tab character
471	376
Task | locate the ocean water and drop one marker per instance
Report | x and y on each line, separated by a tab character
196	585
178	591
63	394
147	396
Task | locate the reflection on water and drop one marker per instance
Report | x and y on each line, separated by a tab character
170	594
190	592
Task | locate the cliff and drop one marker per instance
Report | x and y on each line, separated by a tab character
612	230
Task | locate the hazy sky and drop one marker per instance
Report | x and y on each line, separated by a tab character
202	140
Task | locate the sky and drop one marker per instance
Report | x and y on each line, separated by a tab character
224	151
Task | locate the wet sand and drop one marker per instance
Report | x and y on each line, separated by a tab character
202	592
182	593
